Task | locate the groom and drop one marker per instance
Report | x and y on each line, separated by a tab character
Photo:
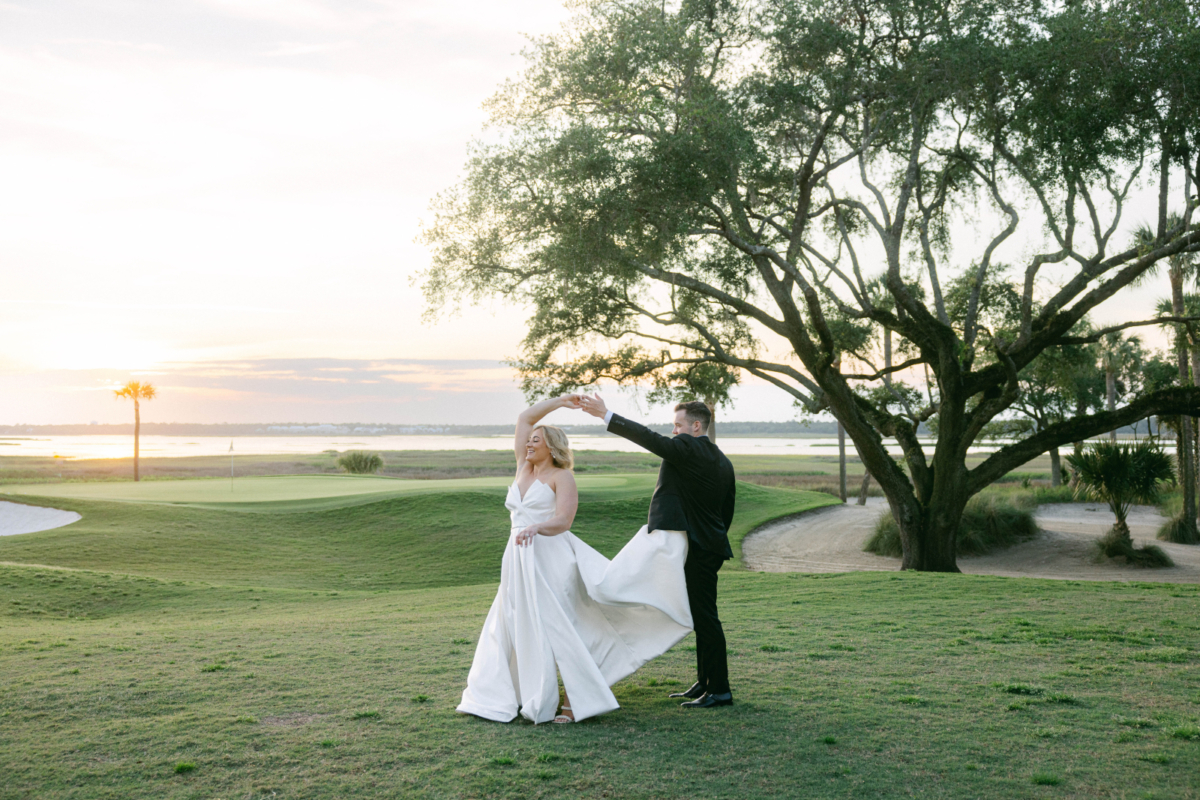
695	494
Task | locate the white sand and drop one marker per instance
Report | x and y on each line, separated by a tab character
18	518
831	540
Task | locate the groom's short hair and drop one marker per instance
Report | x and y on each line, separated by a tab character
696	411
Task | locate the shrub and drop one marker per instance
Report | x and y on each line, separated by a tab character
360	462
1174	530
1053	494
988	523
1114	544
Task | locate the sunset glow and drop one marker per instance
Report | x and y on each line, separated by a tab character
187	185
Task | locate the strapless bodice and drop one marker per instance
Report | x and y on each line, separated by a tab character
536	506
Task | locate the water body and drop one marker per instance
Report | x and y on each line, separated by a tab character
105	446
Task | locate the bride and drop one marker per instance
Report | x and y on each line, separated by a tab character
562	608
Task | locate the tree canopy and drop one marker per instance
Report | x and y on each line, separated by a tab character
769	187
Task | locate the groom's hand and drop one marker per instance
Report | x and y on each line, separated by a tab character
594	406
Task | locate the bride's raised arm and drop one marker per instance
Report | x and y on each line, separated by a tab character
528	419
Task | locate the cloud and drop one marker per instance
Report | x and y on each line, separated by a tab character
275	389
333	390
285	49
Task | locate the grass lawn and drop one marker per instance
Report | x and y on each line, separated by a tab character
210	652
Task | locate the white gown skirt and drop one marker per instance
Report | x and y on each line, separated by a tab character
562	604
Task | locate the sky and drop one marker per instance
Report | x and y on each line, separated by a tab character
222	197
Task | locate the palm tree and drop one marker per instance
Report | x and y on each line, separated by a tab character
137	392
1118	355
1121	475
1180	268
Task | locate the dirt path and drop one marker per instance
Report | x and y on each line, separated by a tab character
831	540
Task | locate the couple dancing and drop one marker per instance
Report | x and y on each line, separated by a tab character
562	608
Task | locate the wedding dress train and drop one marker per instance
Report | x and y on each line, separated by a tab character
562	604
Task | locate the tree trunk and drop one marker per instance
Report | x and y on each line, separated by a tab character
1110	380
1195	464
1122	530
1055	467
841	461
862	491
137	432
1186	453
1080	410
930	536
887	356
712	424
1194	349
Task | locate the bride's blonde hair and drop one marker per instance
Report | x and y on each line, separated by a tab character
559	444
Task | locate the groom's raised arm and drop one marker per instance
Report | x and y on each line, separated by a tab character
664	447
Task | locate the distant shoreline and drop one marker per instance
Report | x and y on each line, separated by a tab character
732	429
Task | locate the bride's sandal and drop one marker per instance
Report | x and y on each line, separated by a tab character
562	718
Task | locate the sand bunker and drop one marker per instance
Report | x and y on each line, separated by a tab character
18	518
831	540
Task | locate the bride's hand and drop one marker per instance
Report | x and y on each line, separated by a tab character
526	536
572	400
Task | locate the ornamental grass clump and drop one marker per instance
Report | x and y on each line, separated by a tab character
1121	476
987	524
360	462
1177	531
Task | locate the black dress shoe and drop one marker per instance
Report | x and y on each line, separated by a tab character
691	694
709	700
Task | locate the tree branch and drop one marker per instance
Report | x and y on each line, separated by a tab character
1095	337
1176	400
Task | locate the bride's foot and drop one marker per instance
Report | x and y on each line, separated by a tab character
566	716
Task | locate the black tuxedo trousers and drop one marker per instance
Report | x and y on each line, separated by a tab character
700	570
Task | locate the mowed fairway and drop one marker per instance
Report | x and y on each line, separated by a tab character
314	646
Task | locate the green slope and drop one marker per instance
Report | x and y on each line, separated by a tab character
287	493
440	533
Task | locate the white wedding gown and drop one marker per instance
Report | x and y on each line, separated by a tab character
561	603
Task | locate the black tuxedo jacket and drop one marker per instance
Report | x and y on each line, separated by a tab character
696	487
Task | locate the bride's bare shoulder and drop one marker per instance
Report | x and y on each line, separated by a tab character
561	478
